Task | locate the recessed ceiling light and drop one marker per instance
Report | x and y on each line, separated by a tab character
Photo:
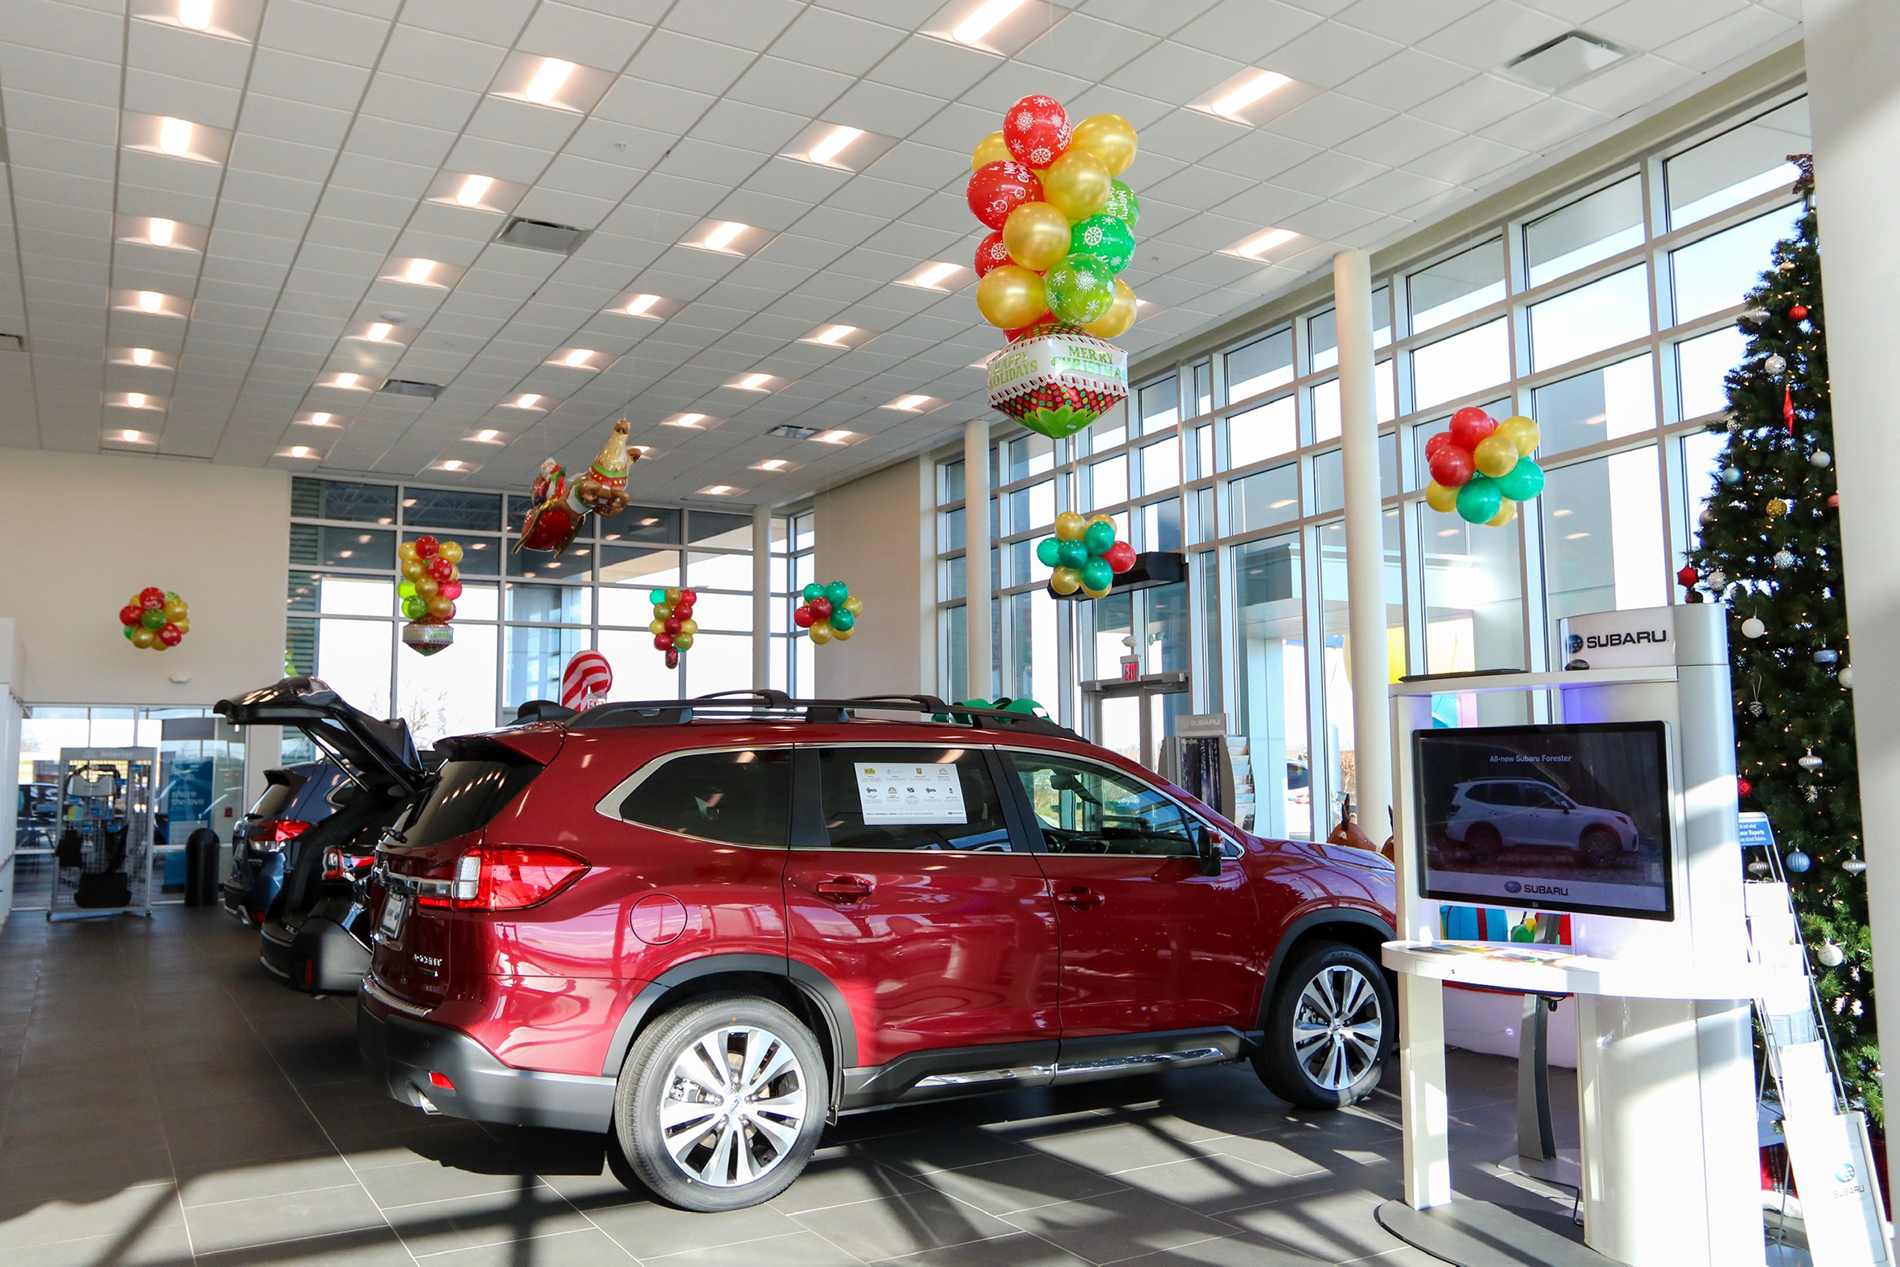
835	437
1248	93
141	356
452	464
753	382
718	490
347	380
909	404
771	464
1575	536
1260	244
320	420
721	237
830	335
135	399
527	400
195	14
686	420
151	301
473	190
833	144
984	20
174	135
133	436
547	80
578	358
931	276
487	435
161	232
639	304
1565	513
1449	532
379	331
299	451
346	554
1282	504
417	274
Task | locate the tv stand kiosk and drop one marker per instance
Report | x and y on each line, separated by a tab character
1665	1064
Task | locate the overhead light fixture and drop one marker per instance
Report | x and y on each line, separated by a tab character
771	464
160	232
151	301
379	331
141	356
135	400
547	80
718	490
721	238
1248	93
451	464
640	305
320	419
834	143
686	420
831	335
347	380
132	436
909	404
1255	247
1282	504
835	437
578	358
487	435
195	14
473	190
527	400
932	274
299	451
754	382
417	274
174	135
1575	536
1564	513
792	431
984	20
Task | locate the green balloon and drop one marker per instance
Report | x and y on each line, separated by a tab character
814	590
1049	552
656	597
841	618
407	589
1479	499
415	608
1106	238
1122	204
127	631
1523	481
1080	289
837	592
1097	575
1072	554
1098	538
153	618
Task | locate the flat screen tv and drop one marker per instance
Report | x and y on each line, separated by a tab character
1554	818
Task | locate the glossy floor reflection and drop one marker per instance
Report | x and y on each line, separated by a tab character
163	1102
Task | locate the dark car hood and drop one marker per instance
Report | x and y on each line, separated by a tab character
376	752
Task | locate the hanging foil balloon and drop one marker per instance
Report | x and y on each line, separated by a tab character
1058	382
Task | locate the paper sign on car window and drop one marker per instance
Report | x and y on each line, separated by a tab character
910	793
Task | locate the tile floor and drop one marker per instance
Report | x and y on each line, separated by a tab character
163	1103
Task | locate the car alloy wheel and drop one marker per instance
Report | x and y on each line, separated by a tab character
1338	1028
733	1106
1328	1027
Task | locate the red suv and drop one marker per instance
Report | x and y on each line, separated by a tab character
711	926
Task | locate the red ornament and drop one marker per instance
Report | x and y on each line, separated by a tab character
130	614
1742	786
996	189
151	598
1452	467
802	617
1834	501
1120	557
1787	408
426	547
672	659
820	608
1798	312
990	252
1036	129
1688	576
1470	425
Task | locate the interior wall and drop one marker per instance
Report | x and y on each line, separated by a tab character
877	534
83	532
10	671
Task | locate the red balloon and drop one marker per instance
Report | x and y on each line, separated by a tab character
1468	426
426	547
802	617
450	590
1436	444
129	615
1452	467
663	642
1120	557
672	658
672	624
1036	129
151	596
1023	332
440	568
169	634
689	597
820	608
990	252
996	189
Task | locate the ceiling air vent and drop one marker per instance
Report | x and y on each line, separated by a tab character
12	343
540	235
790	431
1557	64
408	387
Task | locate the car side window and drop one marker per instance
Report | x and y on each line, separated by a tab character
911	799
739	797
1087	808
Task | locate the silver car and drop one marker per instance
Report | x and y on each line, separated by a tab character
1488	814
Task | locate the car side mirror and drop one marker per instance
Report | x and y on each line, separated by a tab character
1208	846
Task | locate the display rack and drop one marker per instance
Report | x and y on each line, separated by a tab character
107	821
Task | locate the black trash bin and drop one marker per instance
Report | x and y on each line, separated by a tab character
201	868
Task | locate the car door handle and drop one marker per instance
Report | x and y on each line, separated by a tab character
1080	899
846	888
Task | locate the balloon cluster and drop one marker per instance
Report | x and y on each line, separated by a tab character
156	619
1084	554
829	611
673	626
431	582
1481	468
1060	232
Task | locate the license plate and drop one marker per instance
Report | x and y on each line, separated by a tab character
395	908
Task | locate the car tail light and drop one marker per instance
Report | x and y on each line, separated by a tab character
496	879
270	832
338	865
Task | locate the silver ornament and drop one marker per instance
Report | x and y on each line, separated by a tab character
1809	762
1775	364
1756	315
1846	676
1784	558
1829	955
1811	792
1715	579
1821	458
1754	627
1853	866
1756	708
1708	516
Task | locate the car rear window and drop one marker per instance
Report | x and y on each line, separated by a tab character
467	795
277	798
740	797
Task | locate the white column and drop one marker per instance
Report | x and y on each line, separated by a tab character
761	597
976	562
1365	545
1855	117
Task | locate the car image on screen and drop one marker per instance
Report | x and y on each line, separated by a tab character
1488	815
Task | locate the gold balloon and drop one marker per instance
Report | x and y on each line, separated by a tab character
1521	432
656	628
450	550
1062	581
689	627
991	149
1036	236
1010	297
1089	593
1441	499
184	625
1109	137
1495	456
1070	526
842	635
143	637
854	605
1077	185
1507	511
1120	314
821	632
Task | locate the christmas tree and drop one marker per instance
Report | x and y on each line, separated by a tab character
1771	549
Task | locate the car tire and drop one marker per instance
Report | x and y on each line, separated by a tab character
1329	1028
1600	847
1482	844
683	1122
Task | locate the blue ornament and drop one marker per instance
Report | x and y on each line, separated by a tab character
1731	475
1826	655
1797	862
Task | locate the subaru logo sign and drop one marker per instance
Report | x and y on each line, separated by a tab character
1573	644
1845	1174
1512	886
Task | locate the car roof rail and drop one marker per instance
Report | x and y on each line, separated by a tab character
776	704
536	710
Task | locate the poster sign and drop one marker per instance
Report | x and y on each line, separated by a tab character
1619	639
905	793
